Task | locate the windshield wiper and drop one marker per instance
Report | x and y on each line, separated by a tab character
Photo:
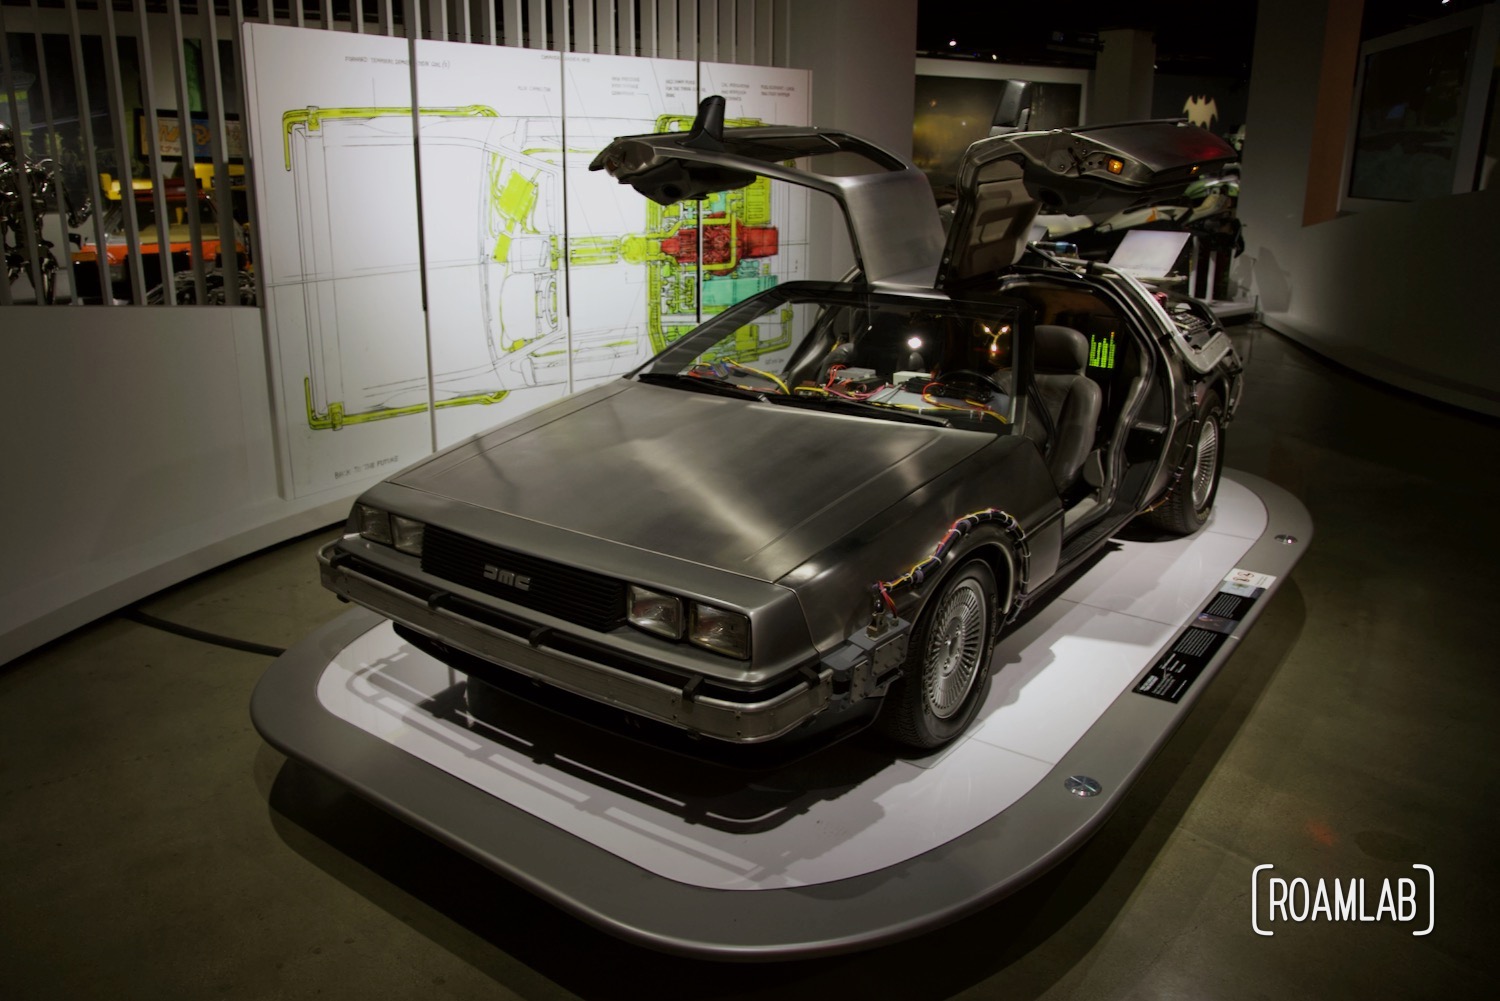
864	408
702	384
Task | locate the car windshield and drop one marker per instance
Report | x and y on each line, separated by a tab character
850	350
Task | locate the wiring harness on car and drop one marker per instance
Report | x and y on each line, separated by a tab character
886	604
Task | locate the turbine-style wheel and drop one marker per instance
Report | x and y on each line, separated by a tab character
947	662
1187	508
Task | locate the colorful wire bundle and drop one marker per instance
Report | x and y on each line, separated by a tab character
917	574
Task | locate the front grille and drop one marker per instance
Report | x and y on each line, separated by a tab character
578	596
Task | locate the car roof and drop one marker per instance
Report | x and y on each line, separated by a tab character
1003	182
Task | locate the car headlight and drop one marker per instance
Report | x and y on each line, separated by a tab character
656	612
719	630
374	524
389	529
407	534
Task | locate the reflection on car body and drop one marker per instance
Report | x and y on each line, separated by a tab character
838	531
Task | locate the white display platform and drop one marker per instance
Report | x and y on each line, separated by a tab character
847	848
1052	679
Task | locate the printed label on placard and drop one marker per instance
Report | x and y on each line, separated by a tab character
1247	583
1174	673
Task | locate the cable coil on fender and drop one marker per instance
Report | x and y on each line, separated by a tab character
915	576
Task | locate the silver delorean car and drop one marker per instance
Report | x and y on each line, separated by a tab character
744	546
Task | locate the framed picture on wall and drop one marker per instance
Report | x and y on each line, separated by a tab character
1424	97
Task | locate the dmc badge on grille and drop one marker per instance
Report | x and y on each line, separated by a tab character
520	582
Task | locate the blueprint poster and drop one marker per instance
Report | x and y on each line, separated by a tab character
769	218
632	261
337	250
493	155
542	277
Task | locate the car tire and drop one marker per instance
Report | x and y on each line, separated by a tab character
947	663
1187	508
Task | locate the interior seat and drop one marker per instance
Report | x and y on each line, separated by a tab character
1061	358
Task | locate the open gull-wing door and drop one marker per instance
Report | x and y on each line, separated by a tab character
889	208
1005	180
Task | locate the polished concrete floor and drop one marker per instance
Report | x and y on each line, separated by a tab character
153	846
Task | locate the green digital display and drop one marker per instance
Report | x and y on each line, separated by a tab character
1102	351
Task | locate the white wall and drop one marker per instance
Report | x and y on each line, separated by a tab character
862	54
138	451
1399	293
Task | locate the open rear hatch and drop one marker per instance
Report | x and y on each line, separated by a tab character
887	202
1005	180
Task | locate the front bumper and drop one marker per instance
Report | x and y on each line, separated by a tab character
576	663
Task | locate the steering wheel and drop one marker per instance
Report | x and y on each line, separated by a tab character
978	377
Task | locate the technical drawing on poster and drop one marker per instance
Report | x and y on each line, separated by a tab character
748	239
531	290
501	257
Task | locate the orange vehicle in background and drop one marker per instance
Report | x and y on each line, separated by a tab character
179	245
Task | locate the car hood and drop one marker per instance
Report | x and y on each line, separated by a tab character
747	487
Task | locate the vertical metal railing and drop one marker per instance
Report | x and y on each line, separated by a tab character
537	30
581	30
687	28
627	27
604	27
187	142
151	135
666	28
91	157
54	148
561	26
28	233
745	31
123	174
708	31
650	45
222	186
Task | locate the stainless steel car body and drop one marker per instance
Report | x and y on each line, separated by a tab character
788	515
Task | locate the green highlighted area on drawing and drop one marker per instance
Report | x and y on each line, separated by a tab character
504	258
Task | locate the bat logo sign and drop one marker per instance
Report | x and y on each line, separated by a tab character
1201	110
